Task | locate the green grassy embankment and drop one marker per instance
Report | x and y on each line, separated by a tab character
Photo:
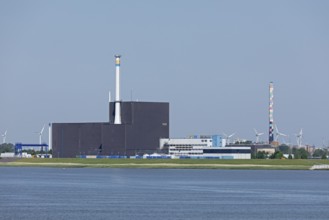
168	163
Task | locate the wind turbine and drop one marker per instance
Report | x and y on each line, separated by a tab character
40	134
257	135
4	135
278	134
227	137
299	138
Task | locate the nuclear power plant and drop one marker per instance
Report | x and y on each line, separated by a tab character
134	128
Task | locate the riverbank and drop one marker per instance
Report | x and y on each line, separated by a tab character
167	163
6	160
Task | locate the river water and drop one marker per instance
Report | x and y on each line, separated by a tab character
92	193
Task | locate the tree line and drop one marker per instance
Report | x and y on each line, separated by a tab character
294	153
7	147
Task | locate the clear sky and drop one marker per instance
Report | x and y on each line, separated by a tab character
211	60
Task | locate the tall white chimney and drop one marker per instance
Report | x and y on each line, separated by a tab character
117	114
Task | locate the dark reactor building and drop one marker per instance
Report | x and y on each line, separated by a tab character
134	128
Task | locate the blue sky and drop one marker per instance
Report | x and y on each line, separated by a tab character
212	60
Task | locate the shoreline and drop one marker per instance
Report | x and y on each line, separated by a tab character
7	160
168	164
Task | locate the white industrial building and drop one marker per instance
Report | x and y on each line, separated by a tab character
204	146
12	155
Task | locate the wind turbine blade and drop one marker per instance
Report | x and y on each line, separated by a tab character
43	128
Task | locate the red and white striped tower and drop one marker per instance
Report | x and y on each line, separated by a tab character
271	120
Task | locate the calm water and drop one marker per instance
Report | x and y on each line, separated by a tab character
76	194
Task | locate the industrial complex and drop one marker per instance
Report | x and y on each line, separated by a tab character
141	129
133	128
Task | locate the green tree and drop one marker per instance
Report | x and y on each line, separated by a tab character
30	151
300	153
284	149
277	155
320	153
261	155
7	147
296	153
303	153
